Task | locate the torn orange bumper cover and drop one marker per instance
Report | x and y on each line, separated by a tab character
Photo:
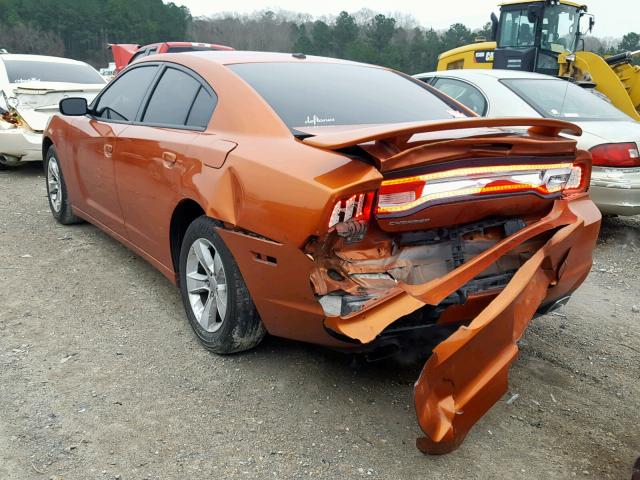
468	372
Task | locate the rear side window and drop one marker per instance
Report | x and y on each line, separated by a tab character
466	94
122	99
179	100
201	110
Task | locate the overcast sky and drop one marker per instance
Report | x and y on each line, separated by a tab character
614	18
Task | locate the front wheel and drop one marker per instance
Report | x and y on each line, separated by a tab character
215	297
57	190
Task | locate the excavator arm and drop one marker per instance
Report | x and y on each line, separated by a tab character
616	78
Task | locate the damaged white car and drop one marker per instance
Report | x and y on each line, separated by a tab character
31	86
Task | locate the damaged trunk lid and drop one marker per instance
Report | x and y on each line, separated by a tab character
37	101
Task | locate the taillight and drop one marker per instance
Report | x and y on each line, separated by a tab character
357	207
10	118
616	155
548	180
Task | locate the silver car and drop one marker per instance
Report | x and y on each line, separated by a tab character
31	86
612	137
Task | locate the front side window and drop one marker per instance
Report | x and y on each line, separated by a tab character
516	30
21	71
560	99
123	97
179	100
463	92
325	94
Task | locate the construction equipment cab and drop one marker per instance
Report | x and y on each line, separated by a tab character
530	36
545	36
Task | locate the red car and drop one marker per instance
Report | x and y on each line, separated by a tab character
125	53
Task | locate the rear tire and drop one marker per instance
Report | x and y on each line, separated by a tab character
57	190
215	297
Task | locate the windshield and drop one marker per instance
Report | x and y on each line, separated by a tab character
563	100
325	94
20	71
559	28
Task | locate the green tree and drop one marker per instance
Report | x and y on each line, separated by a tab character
456	36
303	43
322	38
381	31
486	32
345	31
630	42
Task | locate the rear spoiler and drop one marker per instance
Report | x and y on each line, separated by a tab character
337	140
122	53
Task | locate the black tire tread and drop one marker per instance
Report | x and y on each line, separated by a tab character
242	329
65	216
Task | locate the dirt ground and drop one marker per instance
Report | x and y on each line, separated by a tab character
102	378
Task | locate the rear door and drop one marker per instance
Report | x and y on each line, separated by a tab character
114	109
154	153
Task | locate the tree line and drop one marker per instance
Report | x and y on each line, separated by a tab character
82	29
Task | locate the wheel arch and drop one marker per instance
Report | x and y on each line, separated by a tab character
47	143
185	212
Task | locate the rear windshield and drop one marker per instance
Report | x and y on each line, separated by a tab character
563	100
20	71
325	94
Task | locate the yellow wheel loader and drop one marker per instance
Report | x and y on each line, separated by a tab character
545	36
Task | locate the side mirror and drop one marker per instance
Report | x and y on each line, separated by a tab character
587	21
74	106
494	26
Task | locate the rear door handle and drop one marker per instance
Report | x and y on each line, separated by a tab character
169	157
108	150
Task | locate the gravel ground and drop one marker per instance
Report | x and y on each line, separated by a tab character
102	378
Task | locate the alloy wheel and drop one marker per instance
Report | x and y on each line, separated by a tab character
54	185
206	285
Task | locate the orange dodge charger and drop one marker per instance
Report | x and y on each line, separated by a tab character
337	203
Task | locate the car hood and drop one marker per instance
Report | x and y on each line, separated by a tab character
37	101
598	132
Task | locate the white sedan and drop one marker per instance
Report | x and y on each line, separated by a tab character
612	137
31	86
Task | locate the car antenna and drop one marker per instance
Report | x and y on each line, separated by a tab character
300	56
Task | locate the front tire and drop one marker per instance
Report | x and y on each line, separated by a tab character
57	190
215	297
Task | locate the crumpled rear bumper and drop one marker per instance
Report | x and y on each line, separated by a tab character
616	191
21	143
468	372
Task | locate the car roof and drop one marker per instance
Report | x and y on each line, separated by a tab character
483	73
229	57
39	58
